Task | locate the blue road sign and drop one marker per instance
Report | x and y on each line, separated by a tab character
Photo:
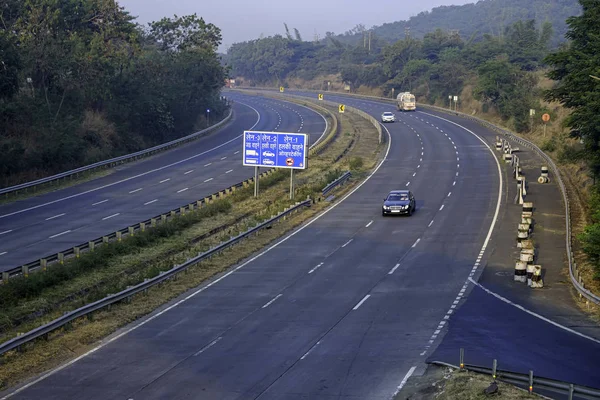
275	149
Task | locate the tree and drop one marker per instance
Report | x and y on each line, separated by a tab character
575	89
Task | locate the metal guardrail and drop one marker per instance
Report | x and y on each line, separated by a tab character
75	251
117	160
531	381
574	274
60	322
339	181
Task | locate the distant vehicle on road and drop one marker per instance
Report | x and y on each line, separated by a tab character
268	154
399	202
388	117
406	102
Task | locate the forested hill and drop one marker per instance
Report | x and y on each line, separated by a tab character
475	20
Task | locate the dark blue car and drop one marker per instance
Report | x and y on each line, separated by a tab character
399	202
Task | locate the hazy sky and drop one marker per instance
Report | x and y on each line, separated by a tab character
242	20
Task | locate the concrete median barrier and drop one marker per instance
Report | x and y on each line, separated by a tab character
521	271
536	280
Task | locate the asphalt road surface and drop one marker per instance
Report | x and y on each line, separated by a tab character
344	307
36	227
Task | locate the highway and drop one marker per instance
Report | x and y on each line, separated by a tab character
36	227
344	307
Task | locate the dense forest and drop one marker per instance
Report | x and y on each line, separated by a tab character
433	67
474	20
80	81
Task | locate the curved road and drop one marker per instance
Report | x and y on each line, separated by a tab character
36	227
343	307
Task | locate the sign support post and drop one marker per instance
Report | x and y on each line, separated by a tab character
255	181
291	184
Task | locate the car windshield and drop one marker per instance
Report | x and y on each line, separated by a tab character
387	114
397	197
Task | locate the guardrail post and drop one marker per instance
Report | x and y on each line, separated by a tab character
5	277
462	358
494	366
163	218
206	200
131	231
214	197
173	213
199	203
77	251
43	264
191	206
119	236
142	226
61	258
153	222
91	246
104	239
571	391
25	271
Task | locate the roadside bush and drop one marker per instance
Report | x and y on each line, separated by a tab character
570	154
590	240
549	145
356	163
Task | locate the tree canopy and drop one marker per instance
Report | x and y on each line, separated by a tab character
80	81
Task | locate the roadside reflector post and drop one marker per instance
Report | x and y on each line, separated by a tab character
462	358
494	367
530	381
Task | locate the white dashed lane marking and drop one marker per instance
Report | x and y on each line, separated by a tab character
110	216
56	216
59	234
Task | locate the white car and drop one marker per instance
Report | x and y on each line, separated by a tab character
268	154
268	162
388	117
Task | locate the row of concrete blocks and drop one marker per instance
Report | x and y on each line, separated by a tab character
525	268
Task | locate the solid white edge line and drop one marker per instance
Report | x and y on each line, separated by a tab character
404	380
361	302
499	297
203	288
135	176
501	181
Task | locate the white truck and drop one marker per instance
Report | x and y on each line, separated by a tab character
406	101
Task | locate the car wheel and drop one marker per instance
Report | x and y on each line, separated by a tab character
410	211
